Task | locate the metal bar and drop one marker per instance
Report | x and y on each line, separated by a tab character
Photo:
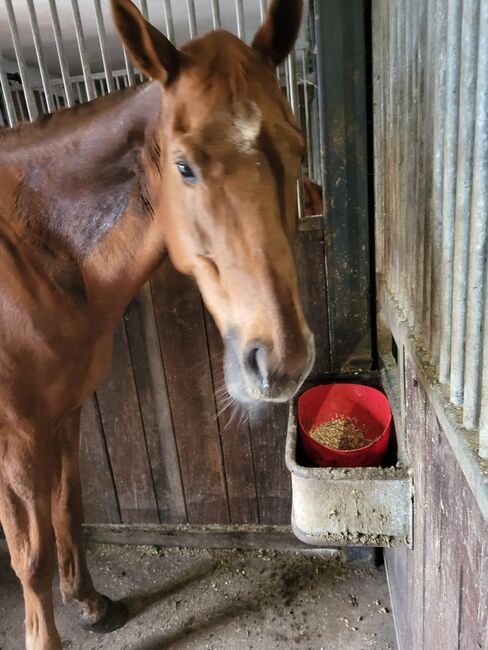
44	108
144	9
102	38
308	136
467	100
291	63
216	19
241	27
79	93
129	69
46	81
28	94
7	94
438	166
449	184
192	18
80	39
168	19
58	38
477	293
428	116
262	9
292	86
287	80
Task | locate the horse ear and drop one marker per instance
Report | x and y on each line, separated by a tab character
277	35
150	50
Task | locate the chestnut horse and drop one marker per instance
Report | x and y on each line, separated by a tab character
201	163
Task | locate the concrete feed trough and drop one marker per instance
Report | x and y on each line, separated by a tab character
369	506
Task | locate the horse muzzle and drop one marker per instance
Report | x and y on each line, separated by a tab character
255	373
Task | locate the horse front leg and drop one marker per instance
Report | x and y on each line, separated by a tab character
26	470
98	613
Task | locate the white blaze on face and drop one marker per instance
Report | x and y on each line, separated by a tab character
246	127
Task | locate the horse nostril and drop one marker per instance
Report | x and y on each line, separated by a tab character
256	363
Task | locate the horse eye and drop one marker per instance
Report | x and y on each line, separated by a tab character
186	172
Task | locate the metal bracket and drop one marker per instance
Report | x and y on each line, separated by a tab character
313	222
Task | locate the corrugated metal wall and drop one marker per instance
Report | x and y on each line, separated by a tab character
431	155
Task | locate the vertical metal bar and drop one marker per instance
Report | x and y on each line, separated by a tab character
144	9
287	78
477	290
80	38
46	81
429	86
449	184
291	66
467	100
58	38
241	28
131	79
192	18
291	74
216	20
262	9
438	166
168	19
7	94
102	38
28	94
308	136
78	92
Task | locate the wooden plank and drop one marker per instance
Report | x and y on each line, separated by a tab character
309	252
451	574
449	561
182	337
99	496
415	418
397	562
247	536
124	432
469	541
482	614
432	558
235	439
155	409
268	431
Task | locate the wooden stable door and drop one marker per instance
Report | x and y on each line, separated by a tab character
157	444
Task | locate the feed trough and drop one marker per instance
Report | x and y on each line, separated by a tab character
370	506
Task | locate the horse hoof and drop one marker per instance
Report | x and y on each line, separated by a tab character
115	616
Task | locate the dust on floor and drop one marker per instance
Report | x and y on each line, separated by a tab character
221	599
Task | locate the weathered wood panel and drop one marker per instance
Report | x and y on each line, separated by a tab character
124	434
235	439
162	407
155	408
183	341
99	495
439	589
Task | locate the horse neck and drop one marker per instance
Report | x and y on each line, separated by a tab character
89	187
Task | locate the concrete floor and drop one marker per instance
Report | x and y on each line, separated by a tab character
232	600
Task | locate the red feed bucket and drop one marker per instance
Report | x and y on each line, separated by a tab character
322	404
